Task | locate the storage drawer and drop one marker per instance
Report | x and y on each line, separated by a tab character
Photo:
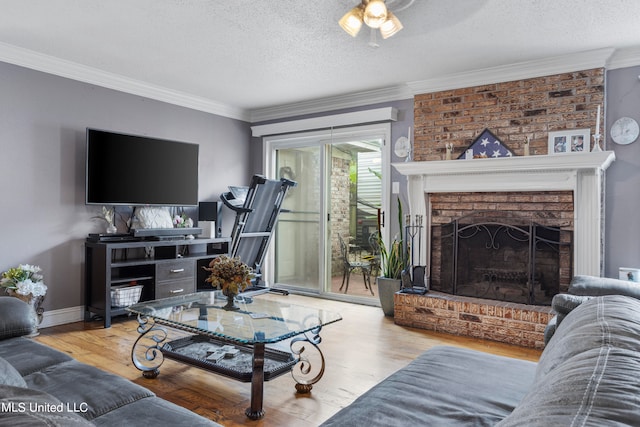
175	270
175	288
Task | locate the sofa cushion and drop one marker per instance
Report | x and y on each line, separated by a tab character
444	386
18	318
563	304
78	384
589	374
9	375
597	286
40	356
152	411
23	407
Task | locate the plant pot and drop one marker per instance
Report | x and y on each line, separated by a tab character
386	290
36	303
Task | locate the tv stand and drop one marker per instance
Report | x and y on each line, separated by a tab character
153	233
165	238
163	267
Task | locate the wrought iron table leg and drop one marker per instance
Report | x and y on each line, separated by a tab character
148	330
303	371
255	412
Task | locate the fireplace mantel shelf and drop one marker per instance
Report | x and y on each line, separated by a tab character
572	161
580	173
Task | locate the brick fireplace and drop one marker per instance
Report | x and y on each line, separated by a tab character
566	189
573	181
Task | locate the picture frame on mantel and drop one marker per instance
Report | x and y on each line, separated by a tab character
570	141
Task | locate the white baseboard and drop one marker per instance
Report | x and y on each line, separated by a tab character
62	316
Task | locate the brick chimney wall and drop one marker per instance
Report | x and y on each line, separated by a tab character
512	110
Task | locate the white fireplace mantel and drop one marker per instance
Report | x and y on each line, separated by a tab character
581	173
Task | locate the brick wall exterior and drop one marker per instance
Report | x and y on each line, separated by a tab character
511	110
340	205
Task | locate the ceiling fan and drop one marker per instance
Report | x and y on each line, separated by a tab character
376	15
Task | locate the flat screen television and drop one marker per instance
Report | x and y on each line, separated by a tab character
140	171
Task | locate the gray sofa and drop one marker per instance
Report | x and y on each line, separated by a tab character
41	386
587	375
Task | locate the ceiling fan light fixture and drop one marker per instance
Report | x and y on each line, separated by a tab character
391	26
375	13
351	22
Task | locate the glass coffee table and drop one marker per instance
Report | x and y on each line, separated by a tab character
233	343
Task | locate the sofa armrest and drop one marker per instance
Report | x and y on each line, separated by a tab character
598	286
17	318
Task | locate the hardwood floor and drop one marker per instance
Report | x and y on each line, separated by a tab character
360	351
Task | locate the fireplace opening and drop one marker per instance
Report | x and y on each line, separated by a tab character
501	256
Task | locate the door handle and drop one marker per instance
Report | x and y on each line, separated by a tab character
177	270
176	291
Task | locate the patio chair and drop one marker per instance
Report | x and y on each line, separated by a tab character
349	266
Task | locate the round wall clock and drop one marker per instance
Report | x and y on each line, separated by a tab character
624	131
402	147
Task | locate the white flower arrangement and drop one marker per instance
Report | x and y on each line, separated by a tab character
24	280
182	221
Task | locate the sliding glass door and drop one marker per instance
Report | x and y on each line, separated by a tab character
297	240
323	239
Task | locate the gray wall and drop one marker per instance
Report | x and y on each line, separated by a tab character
43	217
622	239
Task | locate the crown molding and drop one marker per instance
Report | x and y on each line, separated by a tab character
73	70
627	57
523	70
518	71
350	100
609	58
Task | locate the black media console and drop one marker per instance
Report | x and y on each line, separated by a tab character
162	268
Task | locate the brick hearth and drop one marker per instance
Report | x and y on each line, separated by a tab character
511	323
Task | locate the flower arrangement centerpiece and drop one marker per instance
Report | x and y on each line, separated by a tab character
26	282
231	275
182	221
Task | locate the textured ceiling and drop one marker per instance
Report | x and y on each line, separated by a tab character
253	54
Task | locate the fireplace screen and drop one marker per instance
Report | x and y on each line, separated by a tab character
508	259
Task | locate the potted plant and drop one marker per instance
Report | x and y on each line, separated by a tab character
393	261
26	282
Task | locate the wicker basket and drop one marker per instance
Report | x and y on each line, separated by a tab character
125	295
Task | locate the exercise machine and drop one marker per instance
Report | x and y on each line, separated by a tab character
257	208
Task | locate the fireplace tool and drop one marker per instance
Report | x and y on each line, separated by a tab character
417	284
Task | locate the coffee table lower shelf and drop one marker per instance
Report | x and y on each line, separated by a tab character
194	350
